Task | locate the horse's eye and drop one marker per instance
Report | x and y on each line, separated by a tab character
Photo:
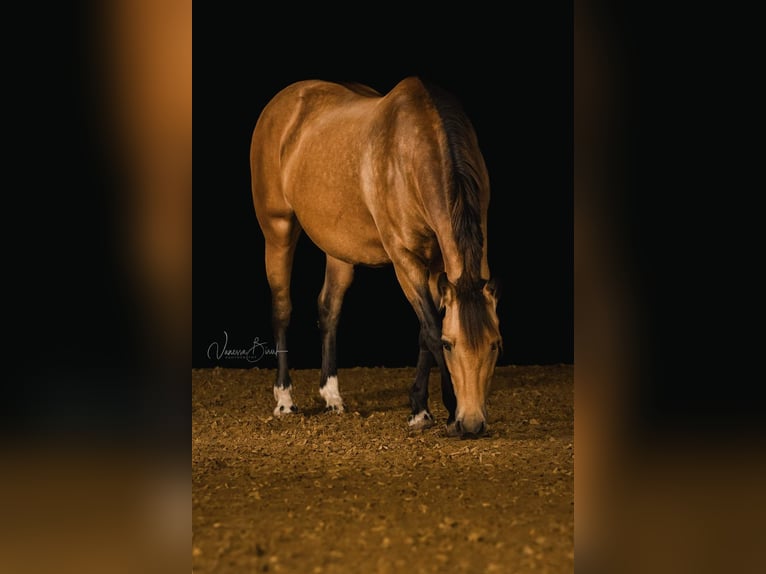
447	345
494	346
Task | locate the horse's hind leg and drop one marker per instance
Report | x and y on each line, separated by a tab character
338	277
281	236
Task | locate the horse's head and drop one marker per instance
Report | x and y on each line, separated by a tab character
472	343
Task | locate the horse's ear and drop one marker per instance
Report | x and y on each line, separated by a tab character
446	290
492	289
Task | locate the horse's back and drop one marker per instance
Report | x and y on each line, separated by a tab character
310	108
302	102
295	116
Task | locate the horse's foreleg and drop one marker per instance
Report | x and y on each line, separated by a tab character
448	391
279	262
430	354
421	416
413	278
338	277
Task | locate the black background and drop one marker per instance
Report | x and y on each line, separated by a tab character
516	87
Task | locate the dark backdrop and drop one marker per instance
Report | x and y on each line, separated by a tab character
514	80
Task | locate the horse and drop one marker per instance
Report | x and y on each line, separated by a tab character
373	180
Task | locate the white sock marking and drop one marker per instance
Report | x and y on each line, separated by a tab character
331	394
284	401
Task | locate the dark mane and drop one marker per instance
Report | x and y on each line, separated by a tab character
464	181
475	318
465	203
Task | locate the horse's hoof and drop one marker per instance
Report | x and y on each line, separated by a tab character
284	399
331	395
452	429
282	410
420	421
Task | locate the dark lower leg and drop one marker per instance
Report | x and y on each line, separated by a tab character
328	382
419	391
338	277
283	384
448	393
434	344
281	310
431	353
279	260
413	277
421	416
328	330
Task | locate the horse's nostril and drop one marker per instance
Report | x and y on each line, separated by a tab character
459	426
482	428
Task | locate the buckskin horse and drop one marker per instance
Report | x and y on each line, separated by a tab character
374	180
